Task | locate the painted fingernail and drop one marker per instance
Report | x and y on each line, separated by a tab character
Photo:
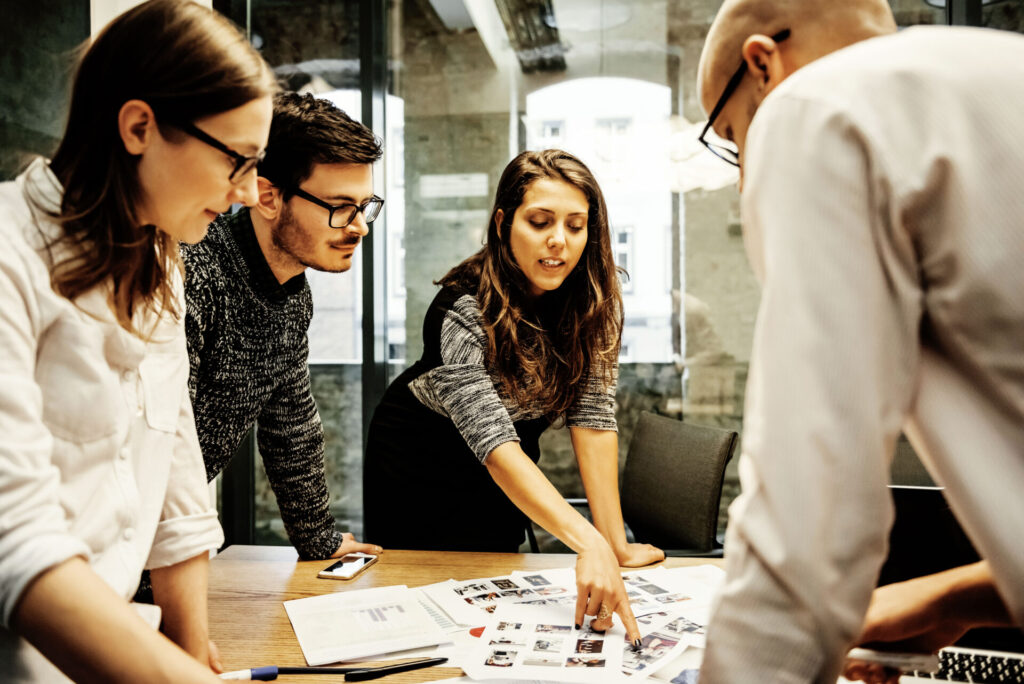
598	631
637	644
577	626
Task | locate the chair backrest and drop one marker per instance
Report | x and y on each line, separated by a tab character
672	482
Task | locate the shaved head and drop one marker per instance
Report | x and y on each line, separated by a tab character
818	27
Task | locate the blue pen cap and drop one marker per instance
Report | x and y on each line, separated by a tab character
264	674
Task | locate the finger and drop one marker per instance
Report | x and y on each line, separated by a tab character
603	624
625	612
215	664
364	548
581	604
854	671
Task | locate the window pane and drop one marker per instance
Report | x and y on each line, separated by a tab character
313	47
39	39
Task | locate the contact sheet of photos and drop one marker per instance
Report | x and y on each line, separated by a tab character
529	632
539	642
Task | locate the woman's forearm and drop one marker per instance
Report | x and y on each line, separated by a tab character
528	488
77	621
597	454
180	591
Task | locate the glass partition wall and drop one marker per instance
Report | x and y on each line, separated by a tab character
459	87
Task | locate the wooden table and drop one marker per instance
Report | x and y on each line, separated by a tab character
249	583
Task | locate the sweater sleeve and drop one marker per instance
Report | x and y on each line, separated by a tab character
595	408
461	388
291	443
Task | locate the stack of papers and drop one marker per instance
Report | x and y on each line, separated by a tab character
527	618
355	624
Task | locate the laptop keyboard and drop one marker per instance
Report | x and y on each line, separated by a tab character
973	665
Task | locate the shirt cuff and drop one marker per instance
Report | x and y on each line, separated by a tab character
179	539
31	558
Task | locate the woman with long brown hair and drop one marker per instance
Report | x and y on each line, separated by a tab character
101	474
523	334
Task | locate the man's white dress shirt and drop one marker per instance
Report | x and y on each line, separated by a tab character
98	450
883	212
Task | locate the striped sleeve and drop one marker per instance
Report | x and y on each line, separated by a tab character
461	388
595	408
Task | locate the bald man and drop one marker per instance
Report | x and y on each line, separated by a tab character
883	210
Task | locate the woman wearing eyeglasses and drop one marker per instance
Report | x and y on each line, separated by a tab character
100	471
523	334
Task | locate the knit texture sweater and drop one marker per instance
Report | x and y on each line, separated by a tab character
249	352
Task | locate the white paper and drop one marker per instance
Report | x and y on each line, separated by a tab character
355	624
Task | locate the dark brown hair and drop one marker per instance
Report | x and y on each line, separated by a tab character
306	131
186	62
544	352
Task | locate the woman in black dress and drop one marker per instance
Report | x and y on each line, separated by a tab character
523	333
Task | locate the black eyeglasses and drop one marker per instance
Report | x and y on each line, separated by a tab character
342	215
729	154
243	164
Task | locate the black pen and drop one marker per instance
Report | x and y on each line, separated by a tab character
352	674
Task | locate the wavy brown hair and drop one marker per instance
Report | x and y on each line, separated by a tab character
545	351
186	62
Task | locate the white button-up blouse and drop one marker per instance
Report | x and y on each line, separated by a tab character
98	450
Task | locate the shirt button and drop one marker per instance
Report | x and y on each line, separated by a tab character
126	375
128	534
123	453
139	411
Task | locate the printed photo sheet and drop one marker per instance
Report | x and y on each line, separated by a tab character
539	642
354	624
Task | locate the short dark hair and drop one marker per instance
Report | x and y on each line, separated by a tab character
307	130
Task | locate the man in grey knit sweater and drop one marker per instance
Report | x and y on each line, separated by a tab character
249	308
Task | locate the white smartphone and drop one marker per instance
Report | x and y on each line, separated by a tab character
347	566
897	660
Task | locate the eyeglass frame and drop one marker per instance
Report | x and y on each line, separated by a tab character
359	208
243	163
730	88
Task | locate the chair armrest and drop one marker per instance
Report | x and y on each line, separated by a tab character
578	503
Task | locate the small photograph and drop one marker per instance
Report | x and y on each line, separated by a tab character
654	647
566	600
501	658
589	645
649	618
507	641
634	580
652	588
588	632
509	626
633	594
471	589
557	629
517	593
536	580
542	662
671	598
533	602
550	591
682	626
504	584
584	661
686	677
547	645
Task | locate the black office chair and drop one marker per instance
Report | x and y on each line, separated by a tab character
672	484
